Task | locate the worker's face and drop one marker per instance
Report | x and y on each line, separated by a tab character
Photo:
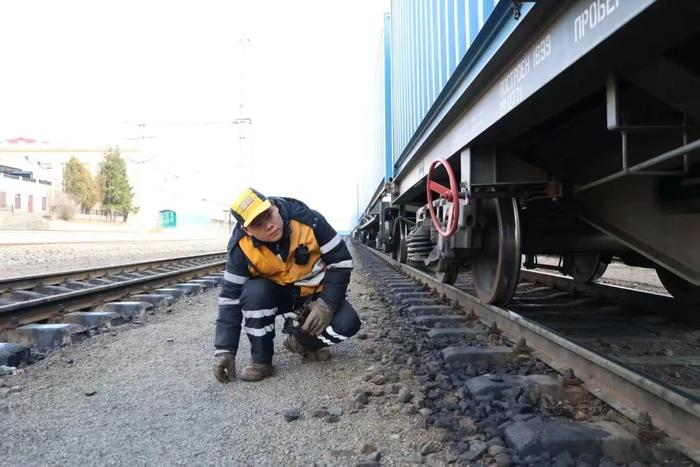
267	227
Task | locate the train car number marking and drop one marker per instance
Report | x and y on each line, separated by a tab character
542	50
510	91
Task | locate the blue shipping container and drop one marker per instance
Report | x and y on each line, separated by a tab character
380	167
429	39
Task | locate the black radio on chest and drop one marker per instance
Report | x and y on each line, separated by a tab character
301	254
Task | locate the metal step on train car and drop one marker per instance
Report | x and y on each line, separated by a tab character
512	129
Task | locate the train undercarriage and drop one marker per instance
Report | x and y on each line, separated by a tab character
495	235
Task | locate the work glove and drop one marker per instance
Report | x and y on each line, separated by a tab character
225	367
319	318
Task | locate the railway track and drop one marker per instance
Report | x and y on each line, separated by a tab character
638	352
144	268
47	310
79	241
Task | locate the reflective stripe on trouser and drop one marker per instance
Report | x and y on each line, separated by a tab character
345	324
261	301
260	296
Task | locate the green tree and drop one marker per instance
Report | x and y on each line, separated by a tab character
78	182
117	194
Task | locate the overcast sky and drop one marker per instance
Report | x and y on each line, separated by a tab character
89	72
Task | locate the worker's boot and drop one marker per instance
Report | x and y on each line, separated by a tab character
320	355
256	371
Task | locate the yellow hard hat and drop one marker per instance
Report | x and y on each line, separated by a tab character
249	205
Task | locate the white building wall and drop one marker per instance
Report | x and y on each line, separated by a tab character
15	195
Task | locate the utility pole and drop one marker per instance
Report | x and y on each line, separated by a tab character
357	204
244	123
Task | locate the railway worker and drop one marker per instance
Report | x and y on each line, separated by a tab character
283	259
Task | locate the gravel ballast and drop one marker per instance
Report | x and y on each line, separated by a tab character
18	260
144	394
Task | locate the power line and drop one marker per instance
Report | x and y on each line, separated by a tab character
235	121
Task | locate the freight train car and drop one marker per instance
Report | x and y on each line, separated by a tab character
371	190
556	127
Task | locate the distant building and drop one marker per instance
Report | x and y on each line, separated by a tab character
31	172
32	176
20	191
47	160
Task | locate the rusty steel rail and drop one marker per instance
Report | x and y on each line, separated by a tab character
624	389
27	282
51	306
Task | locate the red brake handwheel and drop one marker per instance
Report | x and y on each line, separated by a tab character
450	194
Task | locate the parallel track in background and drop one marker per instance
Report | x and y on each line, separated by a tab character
30	299
549	327
42	243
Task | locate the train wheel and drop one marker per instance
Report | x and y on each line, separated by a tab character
680	288
449	275
401	247
497	269
585	268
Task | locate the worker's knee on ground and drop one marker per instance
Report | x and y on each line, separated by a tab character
259	294
346	321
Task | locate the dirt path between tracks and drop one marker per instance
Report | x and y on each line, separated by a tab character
145	395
